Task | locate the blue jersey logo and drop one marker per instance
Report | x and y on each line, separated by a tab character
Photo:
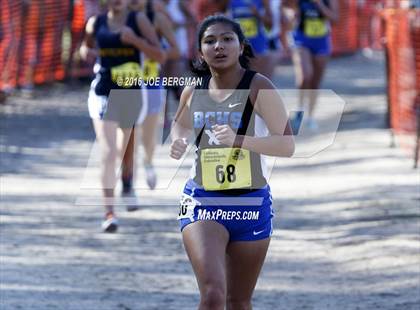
208	119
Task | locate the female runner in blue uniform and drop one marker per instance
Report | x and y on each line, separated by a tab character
116	40
254	16
312	47
226	213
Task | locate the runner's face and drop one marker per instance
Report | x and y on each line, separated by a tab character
220	46
118	5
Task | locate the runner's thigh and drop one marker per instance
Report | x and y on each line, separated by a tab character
244	260
205	243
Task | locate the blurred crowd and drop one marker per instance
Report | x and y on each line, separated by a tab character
40	40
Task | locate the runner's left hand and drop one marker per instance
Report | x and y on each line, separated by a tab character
224	134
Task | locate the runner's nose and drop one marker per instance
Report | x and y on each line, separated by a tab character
219	45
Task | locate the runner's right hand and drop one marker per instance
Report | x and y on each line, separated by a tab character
178	148
88	54
128	36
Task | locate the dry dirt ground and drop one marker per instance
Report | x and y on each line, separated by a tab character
347	222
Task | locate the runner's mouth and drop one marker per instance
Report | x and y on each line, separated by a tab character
220	56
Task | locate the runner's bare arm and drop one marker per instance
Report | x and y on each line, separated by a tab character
269	106
268	15
87	49
181	126
160	6
184	6
266	18
165	29
287	16
330	12
150	44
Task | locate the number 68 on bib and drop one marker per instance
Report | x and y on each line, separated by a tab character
225	168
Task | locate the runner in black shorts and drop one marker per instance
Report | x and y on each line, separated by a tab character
225	213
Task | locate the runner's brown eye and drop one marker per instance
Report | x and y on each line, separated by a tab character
209	41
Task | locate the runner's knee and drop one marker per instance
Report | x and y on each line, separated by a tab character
307	76
109	154
305	81
213	297
233	303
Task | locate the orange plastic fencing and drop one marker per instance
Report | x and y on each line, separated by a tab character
415	40
31	47
81	12
369	23
359	26
10	38
403	35
39	39
344	34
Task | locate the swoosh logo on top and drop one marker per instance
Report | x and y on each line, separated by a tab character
232	105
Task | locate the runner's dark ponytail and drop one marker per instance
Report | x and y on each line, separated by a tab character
247	53
200	67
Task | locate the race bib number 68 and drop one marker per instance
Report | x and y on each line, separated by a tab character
225	168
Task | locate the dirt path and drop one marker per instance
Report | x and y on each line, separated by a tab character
347	220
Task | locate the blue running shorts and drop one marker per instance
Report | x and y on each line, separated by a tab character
247	217
317	46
